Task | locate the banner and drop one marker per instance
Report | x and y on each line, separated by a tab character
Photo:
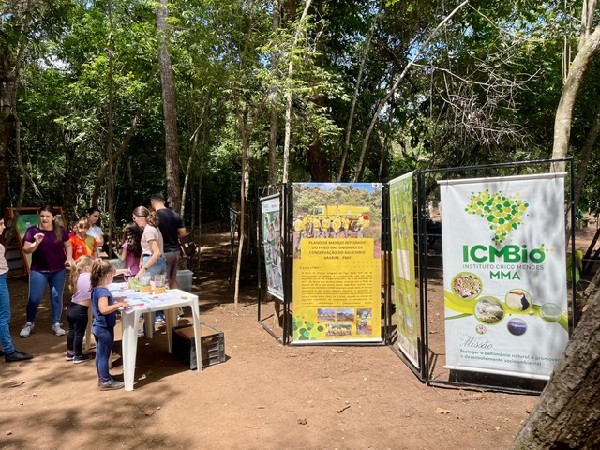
273	249
403	264
336	284
505	292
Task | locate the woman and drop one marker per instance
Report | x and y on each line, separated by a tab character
95	230
10	354
51	252
152	262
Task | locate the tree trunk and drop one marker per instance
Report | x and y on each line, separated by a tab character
274	128
130	185
188	166
288	95
245	150
586	155
110	136
8	100
564	113
169	107
318	165
567	414
587	21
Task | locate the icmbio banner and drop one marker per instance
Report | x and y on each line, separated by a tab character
505	292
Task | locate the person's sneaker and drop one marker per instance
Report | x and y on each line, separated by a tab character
69	356
110	385
56	329
81	359
27	329
17	356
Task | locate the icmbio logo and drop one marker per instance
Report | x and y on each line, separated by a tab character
504	214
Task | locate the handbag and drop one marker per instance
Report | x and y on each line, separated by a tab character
188	246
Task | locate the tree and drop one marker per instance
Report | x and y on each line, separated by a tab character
568	413
394	87
288	96
169	107
274	125
564	113
24	26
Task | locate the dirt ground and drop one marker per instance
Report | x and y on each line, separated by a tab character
264	395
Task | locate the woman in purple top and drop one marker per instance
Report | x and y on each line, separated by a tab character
51	252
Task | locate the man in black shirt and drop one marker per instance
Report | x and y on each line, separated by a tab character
171	227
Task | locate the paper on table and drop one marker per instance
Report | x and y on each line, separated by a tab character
139	300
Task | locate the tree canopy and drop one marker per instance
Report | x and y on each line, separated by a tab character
80	77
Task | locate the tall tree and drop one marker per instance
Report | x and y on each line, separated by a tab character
568	412
274	119
169	106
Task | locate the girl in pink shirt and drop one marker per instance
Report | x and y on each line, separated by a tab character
77	311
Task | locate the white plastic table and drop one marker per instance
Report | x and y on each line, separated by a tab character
145	304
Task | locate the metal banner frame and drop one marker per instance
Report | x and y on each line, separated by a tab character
501	383
282	307
425	236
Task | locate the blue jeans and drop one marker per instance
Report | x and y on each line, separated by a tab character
5	340
104	343
37	286
158	268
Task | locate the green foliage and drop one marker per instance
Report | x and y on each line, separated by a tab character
484	90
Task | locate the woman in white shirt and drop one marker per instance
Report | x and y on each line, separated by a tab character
95	230
153	261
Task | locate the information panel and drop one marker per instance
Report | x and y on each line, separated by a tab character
403	264
505	293
271	235
336	284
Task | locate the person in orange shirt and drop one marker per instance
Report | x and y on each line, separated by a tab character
81	242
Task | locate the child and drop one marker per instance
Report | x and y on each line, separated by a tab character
132	249
77	311
81	243
104	308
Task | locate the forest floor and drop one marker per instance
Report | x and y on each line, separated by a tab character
264	395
